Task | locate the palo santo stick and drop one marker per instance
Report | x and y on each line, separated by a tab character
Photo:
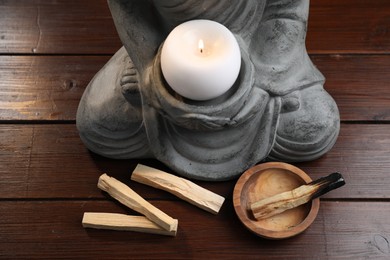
180	187
131	199
279	203
115	221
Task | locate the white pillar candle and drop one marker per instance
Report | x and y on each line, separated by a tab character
200	59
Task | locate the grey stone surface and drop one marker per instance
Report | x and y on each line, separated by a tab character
277	109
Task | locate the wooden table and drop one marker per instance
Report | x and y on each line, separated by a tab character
49	50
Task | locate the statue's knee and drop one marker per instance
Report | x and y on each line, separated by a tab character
109	117
311	130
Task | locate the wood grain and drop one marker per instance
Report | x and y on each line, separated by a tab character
349	26
44	88
52	156
62	26
359	84
49	51
86	26
52	229
50	87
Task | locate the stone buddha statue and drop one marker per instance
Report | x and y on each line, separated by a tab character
276	110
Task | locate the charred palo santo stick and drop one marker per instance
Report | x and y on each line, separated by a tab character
279	203
121	222
180	187
131	199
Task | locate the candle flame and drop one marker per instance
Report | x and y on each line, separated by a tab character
201	45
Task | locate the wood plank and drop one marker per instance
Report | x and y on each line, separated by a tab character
44	88
349	26
86	26
52	156
52	229
50	87
60	26
361	154
359	84
49	179
15	150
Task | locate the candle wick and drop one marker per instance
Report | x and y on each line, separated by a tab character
201	45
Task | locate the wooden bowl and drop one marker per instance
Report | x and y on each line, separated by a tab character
265	180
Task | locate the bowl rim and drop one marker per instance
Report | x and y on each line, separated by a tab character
250	224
